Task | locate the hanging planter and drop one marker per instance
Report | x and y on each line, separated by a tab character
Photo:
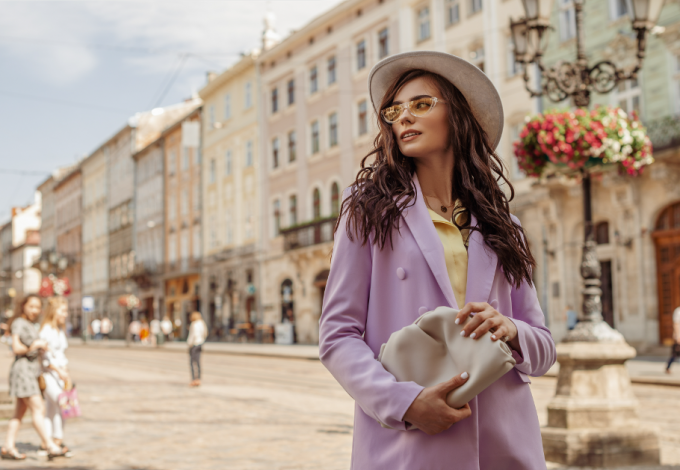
570	142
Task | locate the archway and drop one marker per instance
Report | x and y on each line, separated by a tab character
667	241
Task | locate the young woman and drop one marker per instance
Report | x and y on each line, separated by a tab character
54	365
198	331
427	224
23	379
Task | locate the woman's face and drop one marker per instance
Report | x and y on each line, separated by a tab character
32	309
61	315
425	136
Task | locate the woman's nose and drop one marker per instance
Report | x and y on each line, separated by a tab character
405	115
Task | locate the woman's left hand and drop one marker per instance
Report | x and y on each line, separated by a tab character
486	318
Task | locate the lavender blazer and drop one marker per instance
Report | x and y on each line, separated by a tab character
372	293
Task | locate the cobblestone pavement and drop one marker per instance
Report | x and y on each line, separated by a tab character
251	413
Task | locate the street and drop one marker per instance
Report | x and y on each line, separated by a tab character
251	413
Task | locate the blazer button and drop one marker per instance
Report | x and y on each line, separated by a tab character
401	274
422	310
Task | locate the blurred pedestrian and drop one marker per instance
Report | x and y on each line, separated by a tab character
106	327
675	349
166	328
96	326
23	379
144	331
198	331
155	331
54	364
135	328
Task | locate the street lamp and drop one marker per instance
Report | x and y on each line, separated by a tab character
592	420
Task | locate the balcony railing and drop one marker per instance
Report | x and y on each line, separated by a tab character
308	234
664	132
182	265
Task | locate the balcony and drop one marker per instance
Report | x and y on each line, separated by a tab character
182	266
308	234
664	132
144	274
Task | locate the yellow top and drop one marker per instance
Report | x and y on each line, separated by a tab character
455	253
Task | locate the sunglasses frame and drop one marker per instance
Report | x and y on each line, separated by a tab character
407	106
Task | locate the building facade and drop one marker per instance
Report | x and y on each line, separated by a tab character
95	209
231	227
68	231
637	220
182	219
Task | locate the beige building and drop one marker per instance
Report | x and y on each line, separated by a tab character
231	224
318	123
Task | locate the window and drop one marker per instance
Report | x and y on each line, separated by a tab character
292	208
227	163
618	8
628	96
315	137
249	153
211	116
424	24
477	57
248	96
184	245
277	217
514	67
275	100
335	199
197	154
229	235
313	80
361	54
291	92
601	232
567	20
172	248
383	43
213	170
475	6
333	130
172	208
197	197
185	201
363	117
196	241
316	204
172	162
227	107
185	158
275	152
292	152
452	12
331	70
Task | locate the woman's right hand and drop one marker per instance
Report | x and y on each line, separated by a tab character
429	411
38	344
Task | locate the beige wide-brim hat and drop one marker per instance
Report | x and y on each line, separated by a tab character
478	90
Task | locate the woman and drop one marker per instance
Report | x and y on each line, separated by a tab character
198	331
23	379
54	366
426	224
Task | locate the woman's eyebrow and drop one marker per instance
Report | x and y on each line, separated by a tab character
412	98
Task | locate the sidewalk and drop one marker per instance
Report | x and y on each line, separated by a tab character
642	369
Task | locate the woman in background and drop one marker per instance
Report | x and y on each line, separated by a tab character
197	334
23	379
54	366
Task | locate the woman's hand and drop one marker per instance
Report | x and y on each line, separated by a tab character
486	318
429	411
38	344
63	375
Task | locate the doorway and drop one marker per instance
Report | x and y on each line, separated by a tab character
607	292
667	241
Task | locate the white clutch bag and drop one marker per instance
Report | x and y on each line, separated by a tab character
431	351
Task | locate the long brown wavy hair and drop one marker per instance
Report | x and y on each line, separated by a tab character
384	187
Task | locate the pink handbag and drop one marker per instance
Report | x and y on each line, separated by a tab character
68	404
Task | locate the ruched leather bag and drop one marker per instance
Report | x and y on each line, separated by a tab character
431	351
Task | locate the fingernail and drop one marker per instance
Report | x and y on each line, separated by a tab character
464	375
462	333
493	336
473	335
457	321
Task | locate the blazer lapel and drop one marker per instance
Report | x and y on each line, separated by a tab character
420	223
482	262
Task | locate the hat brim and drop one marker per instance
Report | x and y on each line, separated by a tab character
478	90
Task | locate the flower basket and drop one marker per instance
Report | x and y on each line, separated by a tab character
570	142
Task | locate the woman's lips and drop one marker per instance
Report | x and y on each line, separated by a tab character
410	138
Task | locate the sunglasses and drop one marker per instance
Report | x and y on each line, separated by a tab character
419	107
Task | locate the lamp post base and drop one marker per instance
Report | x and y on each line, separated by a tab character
592	420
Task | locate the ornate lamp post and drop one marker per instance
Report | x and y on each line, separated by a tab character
592	419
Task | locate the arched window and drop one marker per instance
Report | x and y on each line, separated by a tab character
316	203
669	218
602	233
335	199
287	306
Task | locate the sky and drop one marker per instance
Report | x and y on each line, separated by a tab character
73	72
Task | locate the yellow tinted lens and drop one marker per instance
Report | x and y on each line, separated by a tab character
421	106
392	113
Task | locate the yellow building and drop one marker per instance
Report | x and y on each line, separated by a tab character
231	226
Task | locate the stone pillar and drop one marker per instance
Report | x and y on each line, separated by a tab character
592	420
